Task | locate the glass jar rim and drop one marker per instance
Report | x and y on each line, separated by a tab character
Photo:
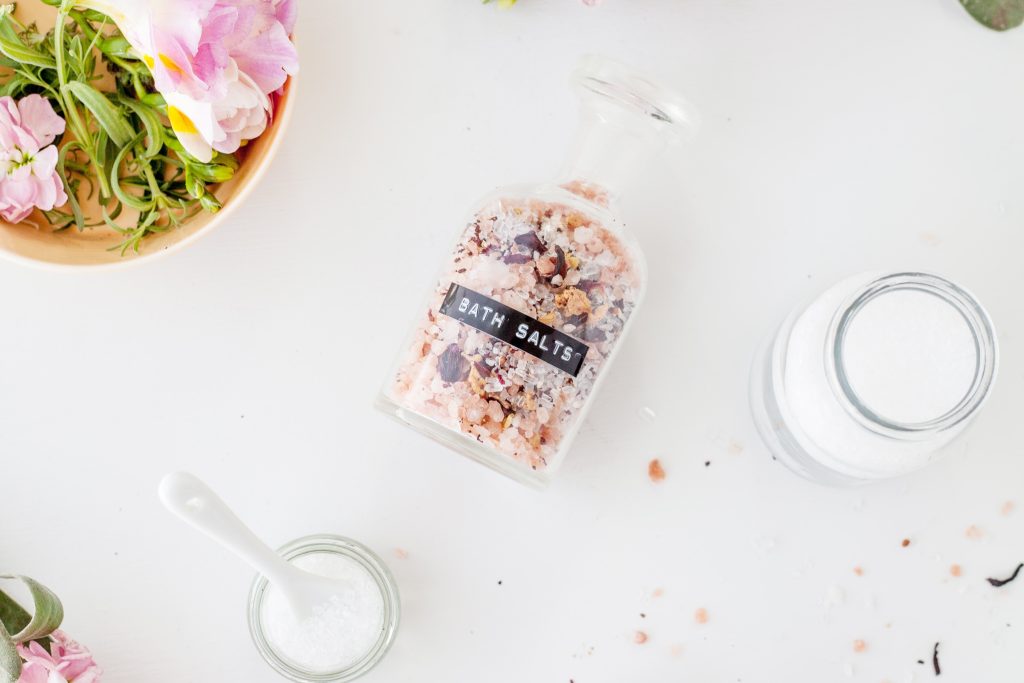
977	321
369	560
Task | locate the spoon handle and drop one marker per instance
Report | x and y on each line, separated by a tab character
190	499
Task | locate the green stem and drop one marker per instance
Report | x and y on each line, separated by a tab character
91	34
78	127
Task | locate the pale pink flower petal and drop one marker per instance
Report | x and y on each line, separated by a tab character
28	175
268	57
12	132
206	56
67	662
39	118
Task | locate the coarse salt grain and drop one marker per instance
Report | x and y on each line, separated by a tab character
655	471
341	631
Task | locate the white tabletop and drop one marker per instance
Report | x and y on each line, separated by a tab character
838	138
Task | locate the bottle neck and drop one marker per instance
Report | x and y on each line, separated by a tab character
608	155
626	122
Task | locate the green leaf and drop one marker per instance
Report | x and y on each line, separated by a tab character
13	48
212	173
117	46
123	195
151	121
12	615
76	208
10	660
110	118
48	614
999	15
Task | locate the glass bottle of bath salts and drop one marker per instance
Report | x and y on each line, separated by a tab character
539	292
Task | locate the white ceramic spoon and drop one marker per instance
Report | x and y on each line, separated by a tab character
192	500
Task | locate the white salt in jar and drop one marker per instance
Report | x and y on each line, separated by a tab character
343	639
875	378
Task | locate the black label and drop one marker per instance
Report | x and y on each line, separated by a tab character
515	328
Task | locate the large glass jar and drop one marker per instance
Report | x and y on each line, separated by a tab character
875	378
539	292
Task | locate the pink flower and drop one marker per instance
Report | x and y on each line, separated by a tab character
241	114
66	662
28	160
214	61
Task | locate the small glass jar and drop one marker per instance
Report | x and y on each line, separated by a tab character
374	566
874	378
539	292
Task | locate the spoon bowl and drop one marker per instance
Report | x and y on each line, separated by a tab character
193	501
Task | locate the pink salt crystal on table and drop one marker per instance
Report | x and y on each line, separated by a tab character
655	471
859	646
701	616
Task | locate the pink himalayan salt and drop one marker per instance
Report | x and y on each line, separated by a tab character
548	261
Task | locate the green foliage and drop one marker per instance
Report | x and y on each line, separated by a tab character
999	15
118	148
17	626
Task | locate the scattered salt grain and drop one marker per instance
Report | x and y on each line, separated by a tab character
655	471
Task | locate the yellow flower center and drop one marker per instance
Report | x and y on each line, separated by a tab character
180	122
168	63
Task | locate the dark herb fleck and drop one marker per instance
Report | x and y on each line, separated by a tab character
935	660
707	463
513	259
561	267
451	366
578	319
1002	582
530	241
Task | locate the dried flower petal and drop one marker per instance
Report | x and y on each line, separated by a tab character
452	366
